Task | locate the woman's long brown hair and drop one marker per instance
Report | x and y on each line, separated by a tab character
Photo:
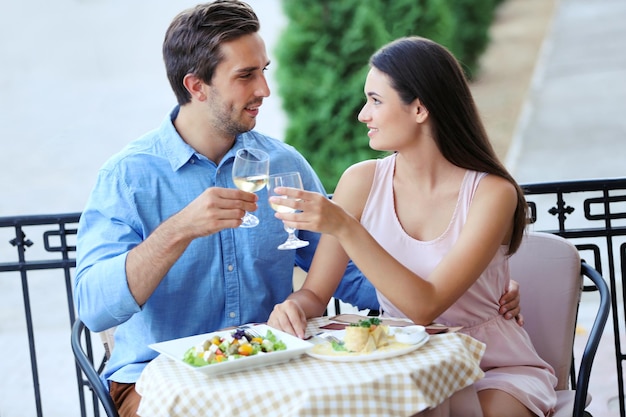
421	68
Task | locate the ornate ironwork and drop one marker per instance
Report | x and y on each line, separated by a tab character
48	240
591	214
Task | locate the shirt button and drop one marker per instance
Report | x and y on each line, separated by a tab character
232	314
230	268
193	161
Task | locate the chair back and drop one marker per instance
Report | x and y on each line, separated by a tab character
548	269
84	360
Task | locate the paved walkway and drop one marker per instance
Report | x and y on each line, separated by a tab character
573	123
573	127
81	79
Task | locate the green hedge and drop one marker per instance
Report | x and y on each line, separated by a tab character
322	62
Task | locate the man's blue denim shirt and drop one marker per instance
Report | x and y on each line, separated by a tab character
226	279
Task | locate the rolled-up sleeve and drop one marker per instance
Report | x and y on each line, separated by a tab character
105	236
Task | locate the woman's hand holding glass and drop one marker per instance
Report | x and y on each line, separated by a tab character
312	211
291	180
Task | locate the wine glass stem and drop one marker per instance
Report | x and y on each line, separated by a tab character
249	220
292	233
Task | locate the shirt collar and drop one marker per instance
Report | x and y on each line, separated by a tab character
180	152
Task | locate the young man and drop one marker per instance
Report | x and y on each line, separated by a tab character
160	254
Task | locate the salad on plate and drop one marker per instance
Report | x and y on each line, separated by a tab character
238	344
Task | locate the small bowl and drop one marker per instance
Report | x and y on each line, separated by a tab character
409	335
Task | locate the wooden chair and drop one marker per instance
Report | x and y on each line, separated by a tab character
550	273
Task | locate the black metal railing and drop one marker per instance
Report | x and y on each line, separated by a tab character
35	243
591	214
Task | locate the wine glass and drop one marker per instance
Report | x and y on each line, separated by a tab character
250	171
292	180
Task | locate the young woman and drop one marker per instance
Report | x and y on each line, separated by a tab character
431	225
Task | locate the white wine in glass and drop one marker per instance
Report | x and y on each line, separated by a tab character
251	184
292	180
250	171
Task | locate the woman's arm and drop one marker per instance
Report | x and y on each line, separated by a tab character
330	260
488	226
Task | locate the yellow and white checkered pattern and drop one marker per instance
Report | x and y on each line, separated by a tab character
305	386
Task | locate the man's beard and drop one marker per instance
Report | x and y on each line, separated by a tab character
225	116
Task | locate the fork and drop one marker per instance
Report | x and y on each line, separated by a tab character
248	331
329	337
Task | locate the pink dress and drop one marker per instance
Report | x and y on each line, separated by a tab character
510	362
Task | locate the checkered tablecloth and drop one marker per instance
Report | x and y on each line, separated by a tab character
399	386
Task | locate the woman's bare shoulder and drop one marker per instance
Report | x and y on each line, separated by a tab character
494	184
360	174
354	186
362	167
495	193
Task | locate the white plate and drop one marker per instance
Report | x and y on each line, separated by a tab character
335	356
175	349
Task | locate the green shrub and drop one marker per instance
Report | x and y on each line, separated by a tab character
323	60
471	33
